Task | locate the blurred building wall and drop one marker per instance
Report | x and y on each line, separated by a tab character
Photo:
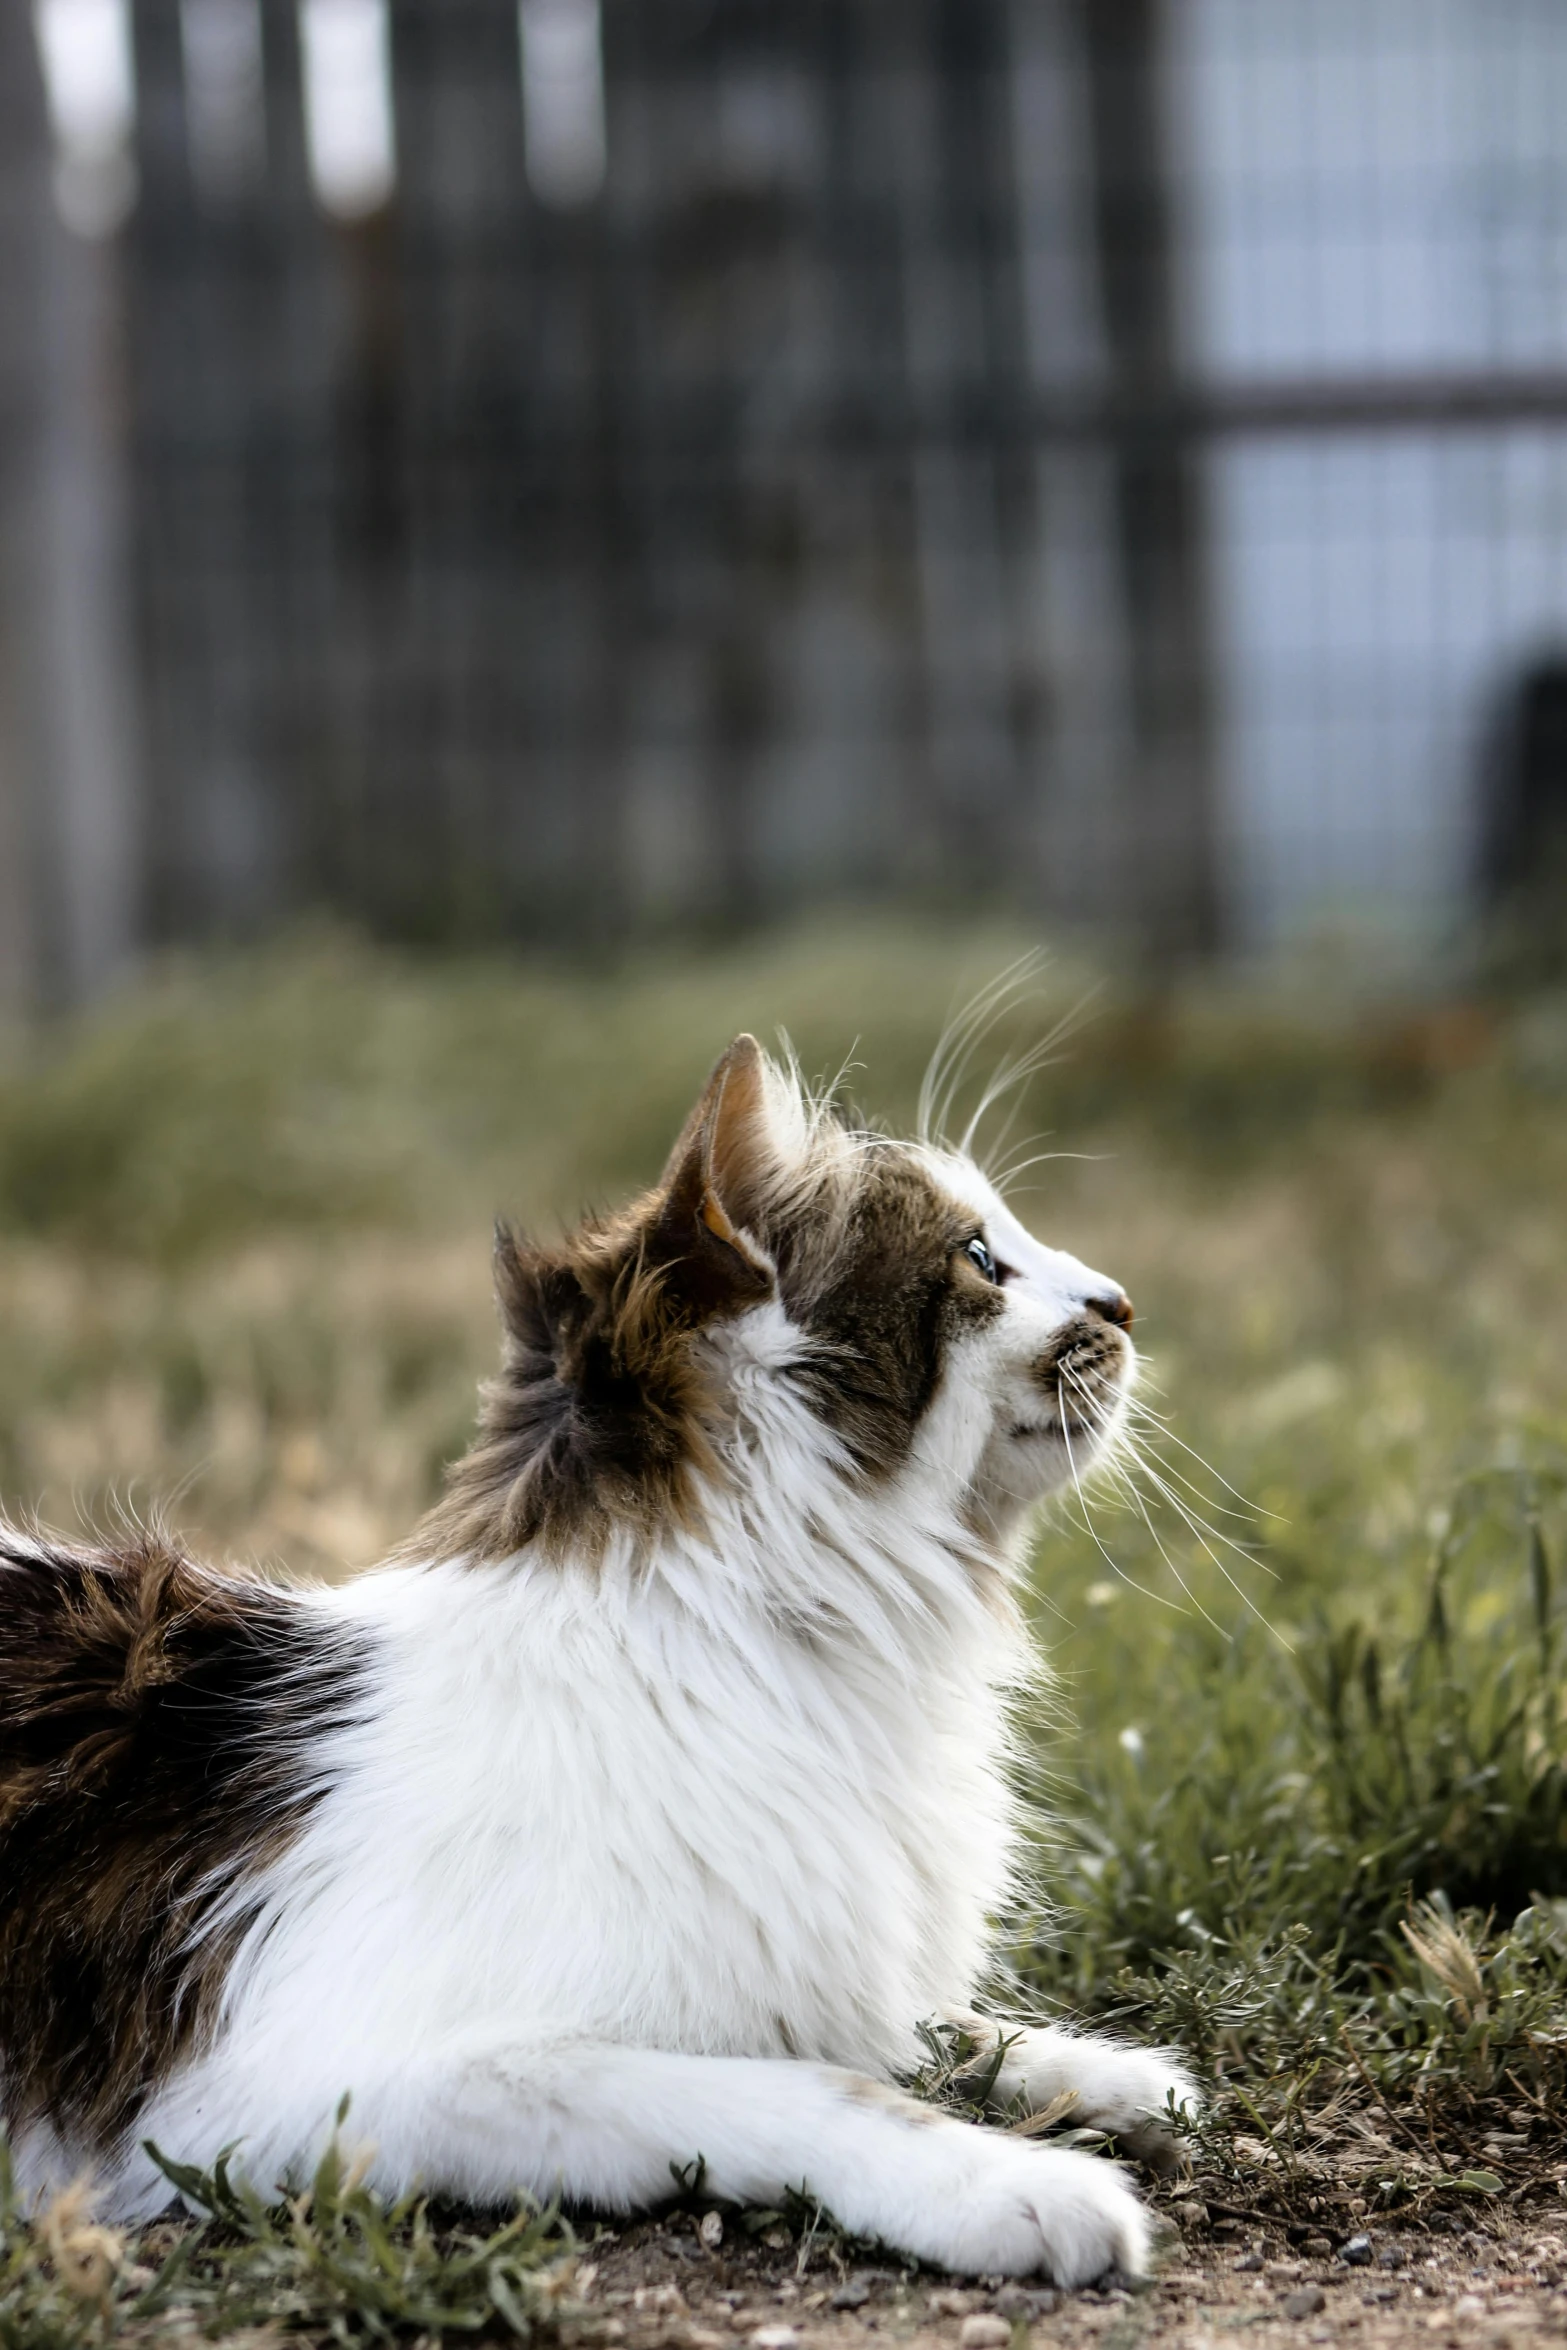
668	461
71	867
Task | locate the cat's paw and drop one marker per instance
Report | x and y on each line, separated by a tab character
1133	2094
1026	2210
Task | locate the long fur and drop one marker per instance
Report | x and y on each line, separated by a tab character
645	1807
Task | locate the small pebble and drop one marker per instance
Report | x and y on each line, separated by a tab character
777	2239
982	2331
1249	2264
775	2338
1019	2301
1469	2305
1357	2252
1191	2216
1306	2301
1317	2247
853	2295
947	2301
1392	2256
1380	2293
711	2229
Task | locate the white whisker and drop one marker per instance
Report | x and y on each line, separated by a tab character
1146	1411
1096	1418
1093	1532
1241	1516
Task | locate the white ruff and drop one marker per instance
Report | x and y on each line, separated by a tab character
624	1860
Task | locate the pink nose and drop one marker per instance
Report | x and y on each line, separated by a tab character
1117	1308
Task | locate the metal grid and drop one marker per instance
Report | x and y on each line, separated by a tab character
1095	455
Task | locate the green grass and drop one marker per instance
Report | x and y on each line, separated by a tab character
333	2263
243	1265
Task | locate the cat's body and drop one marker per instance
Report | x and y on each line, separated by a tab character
647	1807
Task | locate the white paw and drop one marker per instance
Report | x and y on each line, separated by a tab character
1126	2092
1025	2209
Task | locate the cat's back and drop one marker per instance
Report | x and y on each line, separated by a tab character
157	1728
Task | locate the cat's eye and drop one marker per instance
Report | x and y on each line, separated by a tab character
979	1256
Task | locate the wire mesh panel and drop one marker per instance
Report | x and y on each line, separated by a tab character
1375	195
610	462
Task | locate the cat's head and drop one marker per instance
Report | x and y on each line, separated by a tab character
795	1298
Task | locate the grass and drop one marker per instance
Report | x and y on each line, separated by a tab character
1311	1816
333	2263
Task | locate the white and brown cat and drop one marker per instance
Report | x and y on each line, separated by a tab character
642	1808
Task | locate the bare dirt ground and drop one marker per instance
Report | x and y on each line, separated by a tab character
696	2281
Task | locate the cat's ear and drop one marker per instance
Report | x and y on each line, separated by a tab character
712	1189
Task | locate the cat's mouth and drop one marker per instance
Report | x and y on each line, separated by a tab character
1081	1376
1069	1425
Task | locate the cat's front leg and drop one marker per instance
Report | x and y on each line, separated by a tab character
1127	2092
608	2126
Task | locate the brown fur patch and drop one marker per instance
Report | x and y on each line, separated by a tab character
151	1715
600	1416
882	1285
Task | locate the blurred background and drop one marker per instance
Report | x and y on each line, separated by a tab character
573	470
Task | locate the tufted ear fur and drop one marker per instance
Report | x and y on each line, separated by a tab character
600	1414
714	1188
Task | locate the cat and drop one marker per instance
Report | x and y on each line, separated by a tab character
641	1809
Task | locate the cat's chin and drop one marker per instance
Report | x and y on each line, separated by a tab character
1029	1459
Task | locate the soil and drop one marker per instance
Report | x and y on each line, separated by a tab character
699	2280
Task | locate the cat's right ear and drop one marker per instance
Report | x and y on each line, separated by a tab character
712	1190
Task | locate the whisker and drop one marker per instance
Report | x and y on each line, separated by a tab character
1092	1411
947	1073
1153	1464
1128	1485
1146	1411
1198	1527
1201	1533
1242	1516
1015	1072
964	1031
1194	1519
1092	1531
1006	1181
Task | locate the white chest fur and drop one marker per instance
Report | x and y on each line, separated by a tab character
595	1805
600	1810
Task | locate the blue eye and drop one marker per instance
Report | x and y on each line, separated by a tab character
980	1258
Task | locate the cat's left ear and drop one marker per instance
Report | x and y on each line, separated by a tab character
712	1189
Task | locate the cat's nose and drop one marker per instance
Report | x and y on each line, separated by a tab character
1115	1306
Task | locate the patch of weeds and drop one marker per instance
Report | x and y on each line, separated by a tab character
1348	1905
336	2263
1325	1788
64	2281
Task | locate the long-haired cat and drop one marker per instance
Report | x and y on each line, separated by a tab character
645	1805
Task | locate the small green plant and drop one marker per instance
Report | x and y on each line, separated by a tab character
334	2263
64	2280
